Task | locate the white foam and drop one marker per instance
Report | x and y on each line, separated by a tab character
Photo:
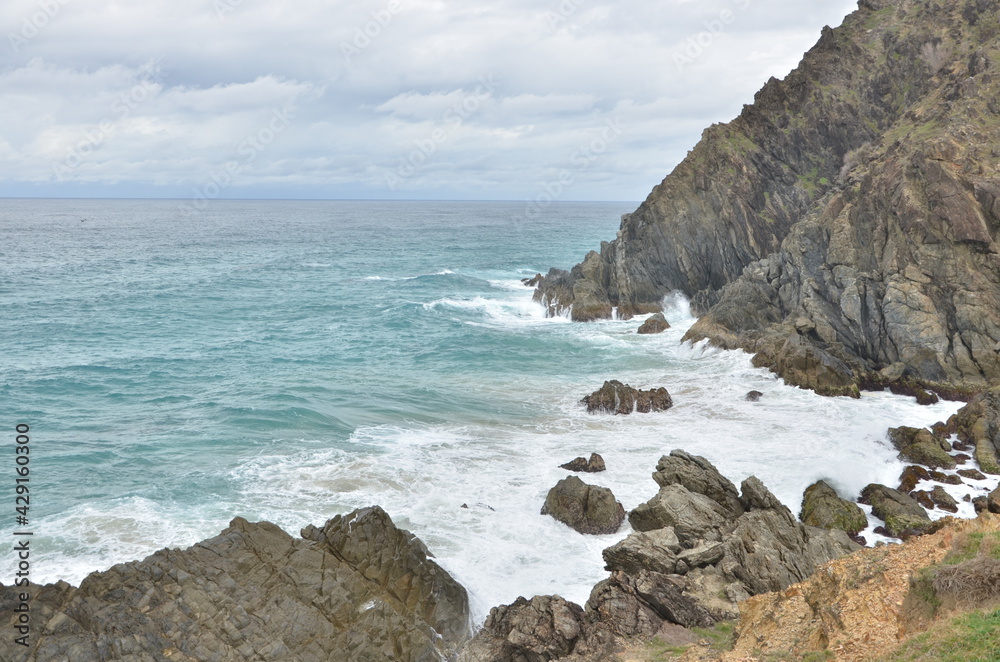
397	279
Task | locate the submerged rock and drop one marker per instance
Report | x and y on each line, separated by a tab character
822	507
617	398
753	396
656	323
585	508
357	589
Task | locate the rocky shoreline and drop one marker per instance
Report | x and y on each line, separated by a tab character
359	588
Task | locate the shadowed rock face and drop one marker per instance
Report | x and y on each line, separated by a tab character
843	224
356	589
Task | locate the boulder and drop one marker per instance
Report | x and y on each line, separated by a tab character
992	501
753	396
650	550
358	589
920	446
822	507
902	515
943	500
694	517
698	475
911	476
543	628
585	508
947	479
971	474
594	465
617	398
656	323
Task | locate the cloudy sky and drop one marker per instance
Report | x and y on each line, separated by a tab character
395	99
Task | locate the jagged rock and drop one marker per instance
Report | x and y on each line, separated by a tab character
708	553
921	447
971	474
656	323
902	515
534	281
754	396
585	508
543	628
768	549
981	503
911	476
617	398
943	500
694	517
594	465
698	475
357	589
822	507
638	605
655	551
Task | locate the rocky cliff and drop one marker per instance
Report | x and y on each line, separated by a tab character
843	227
357	589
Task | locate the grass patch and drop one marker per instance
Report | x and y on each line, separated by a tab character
973	637
720	637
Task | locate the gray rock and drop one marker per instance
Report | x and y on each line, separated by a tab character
921	446
706	554
651	550
357	589
698	475
753	396
585	508
694	517
543	628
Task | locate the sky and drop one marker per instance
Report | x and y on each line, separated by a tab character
378	99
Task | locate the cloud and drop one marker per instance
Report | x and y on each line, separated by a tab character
110	98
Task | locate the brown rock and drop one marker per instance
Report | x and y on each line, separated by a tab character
617	398
911	476
656	323
594	465
971	474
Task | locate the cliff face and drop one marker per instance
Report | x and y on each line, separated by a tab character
845	223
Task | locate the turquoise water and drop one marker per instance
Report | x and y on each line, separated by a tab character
291	361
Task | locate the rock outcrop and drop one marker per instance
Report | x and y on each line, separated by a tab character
585	508
903	516
594	465
844	227
617	398
978	425
922	446
700	547
822	507
356	589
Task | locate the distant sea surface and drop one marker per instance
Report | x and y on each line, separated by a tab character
291	361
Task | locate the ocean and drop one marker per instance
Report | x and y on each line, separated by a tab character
291	361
